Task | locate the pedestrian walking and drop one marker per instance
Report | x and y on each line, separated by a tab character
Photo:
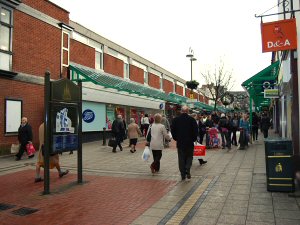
265	124
145	124
184	131
133	134
245	126
118	132
224	129
158	133
235	122
25	137
54	159
255	126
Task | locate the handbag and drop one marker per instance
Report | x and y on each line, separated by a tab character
112	142
30	149
199	150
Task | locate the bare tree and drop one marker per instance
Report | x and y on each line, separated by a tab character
217	82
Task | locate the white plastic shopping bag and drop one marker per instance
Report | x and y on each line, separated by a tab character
14	148
146	154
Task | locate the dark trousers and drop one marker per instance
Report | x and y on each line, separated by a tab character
254	133
201	137
157	154
146	127
265	132
226	139
21	150
119	139
185	160
233	139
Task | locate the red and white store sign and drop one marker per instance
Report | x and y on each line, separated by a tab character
279	35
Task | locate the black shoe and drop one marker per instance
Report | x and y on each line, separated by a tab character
121	149
114	151
17	159
182	178
201	161
31	156
63	173
39	179
188	176
71	152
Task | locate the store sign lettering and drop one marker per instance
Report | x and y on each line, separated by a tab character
279	44
88	116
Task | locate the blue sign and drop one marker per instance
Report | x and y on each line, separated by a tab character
64	143
161	106
88	116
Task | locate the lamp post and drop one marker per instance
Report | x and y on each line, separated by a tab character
192	58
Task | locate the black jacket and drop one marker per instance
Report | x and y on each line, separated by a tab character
25	134
184	130
117	128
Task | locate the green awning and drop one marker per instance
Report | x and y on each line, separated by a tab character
175	98
255	84
106	80
203	106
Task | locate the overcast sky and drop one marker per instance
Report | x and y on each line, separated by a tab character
162	31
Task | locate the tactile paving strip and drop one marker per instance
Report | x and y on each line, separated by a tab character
185	209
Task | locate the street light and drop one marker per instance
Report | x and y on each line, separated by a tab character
192	58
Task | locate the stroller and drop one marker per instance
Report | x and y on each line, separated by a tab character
214	140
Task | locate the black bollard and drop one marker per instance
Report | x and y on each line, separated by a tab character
104	135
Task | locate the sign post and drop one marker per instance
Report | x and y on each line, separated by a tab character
63	122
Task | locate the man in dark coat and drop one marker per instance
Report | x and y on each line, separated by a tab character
184	131
24	137
118	131
265	124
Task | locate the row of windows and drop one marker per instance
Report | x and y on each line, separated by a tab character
6	31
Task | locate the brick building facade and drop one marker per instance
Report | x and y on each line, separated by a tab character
39	37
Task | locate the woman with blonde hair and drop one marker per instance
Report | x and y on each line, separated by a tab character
133	134
158	133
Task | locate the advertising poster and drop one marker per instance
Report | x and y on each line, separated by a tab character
110	117
64	128
93	116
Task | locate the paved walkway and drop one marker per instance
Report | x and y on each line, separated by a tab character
119	188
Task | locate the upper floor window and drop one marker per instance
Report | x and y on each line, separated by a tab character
6	29
146	79
161	82
99	60
126	70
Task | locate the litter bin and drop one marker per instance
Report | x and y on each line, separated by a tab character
279	165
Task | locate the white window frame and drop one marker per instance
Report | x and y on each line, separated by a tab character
101	60
161	83
146	77
9	51
64	31
126	70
